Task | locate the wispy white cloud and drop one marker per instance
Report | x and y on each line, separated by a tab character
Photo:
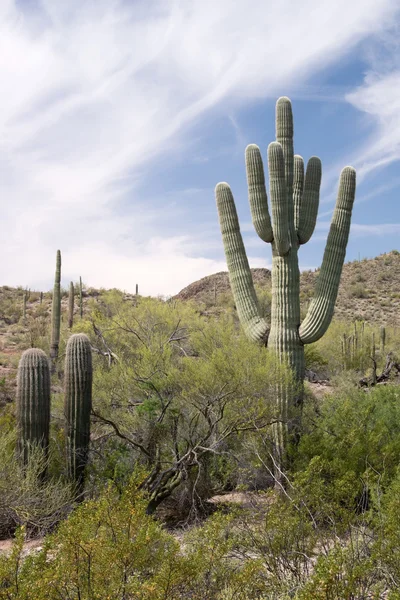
359	230
94	91
379	98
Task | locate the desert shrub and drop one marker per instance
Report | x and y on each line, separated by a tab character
386	550
357	290
110	548
351	444
179	391
25	498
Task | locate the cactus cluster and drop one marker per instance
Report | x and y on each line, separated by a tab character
358	349
294	197
33	404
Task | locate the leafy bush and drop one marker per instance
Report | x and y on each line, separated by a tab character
180	392
25	499
351	445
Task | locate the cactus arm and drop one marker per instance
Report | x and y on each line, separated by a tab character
320	312
257	193
240	277
279	198
298	186
284	136
308	209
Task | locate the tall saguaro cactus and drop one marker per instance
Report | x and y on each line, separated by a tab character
33	402
294	198
56	313
78	404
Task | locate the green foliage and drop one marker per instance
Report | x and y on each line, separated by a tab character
352	444
25	498
349	346
175	387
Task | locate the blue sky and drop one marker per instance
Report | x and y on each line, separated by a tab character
118	118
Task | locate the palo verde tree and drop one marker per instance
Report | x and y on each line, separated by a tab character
294	201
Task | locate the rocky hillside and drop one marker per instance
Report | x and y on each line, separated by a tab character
369	289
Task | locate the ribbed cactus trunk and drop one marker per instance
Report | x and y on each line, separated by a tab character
71	305
56	314
77	406
294	200
33	403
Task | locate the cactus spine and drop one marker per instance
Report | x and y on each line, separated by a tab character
56	313
78	403
294	200
71	305
33	402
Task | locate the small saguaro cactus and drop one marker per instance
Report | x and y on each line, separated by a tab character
71	305
294	198
77	405
24	301
383	338
80	298
33	402
56	313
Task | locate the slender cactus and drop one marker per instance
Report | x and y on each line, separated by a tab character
71	305
294	200
41	297
56	313
383	338
24	300
137	289
77	405
33	402
80	298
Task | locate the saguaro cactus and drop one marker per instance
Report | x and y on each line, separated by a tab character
294	201
56	313
77	406
24	301
80	298
33	402
71	305
383	338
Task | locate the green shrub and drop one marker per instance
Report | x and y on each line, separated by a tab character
25	499
352	443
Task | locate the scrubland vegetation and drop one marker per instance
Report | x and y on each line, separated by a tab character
180	499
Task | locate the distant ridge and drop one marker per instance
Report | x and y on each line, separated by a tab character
369	289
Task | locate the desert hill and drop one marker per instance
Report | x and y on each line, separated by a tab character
369	289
